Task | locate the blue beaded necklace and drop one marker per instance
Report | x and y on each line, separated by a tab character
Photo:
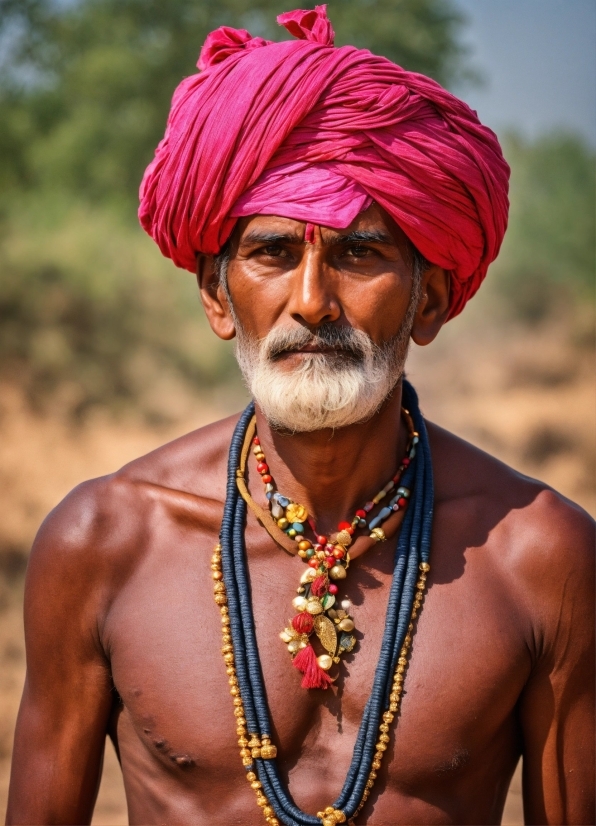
232	594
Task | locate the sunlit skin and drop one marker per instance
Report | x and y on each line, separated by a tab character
119	597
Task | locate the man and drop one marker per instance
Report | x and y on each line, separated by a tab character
334	206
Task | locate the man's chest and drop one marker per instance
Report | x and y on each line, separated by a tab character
467	667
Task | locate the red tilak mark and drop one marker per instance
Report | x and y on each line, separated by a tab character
314	676
309	233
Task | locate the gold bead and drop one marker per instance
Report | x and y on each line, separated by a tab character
384	727
373	775
411	627
268	811
376	764
217	575
282	523
268	751
365	794
388	717
261	801
256	753
384	738
408	639
240	731
238	712
402	661
244	752
229	658
234	691
393	707
381	746
370	784
400	669
247	761
421	585
329	821
304	545
241	721
237	701
393	697
340	816
302	554
225	649
251	776
219	588
221	599
255	784
378	534
424	566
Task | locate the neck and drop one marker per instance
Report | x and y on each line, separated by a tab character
334	472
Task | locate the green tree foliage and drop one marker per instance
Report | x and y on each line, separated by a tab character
86	85
547	263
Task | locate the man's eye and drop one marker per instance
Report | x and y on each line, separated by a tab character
358	252
274	250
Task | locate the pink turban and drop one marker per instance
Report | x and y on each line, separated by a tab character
304	130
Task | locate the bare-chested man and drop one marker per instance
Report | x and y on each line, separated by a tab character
323	287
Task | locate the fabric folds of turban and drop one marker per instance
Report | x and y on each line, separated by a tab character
305	130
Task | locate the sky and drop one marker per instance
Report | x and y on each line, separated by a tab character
538	59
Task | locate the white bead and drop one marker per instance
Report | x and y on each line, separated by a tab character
346	604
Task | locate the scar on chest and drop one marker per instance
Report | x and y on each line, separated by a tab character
181	759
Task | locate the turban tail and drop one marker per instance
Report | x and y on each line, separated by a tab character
304	130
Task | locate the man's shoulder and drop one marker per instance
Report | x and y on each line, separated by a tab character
535	538
105	521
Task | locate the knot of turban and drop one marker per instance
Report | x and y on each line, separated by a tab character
305	130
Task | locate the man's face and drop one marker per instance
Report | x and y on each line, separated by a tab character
322	326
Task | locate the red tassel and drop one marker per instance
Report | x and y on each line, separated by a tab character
314	676
303	623
318	586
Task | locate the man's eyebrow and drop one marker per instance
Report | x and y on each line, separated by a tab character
363	237
264	237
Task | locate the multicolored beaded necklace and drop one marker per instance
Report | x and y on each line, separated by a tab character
328	559
241	656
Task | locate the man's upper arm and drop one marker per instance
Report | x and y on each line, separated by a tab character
68	693
557	706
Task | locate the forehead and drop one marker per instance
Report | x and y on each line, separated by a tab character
373	219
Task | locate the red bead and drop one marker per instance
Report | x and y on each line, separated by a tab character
266	478
333	589
402	502
329	548
338	553
330	561
262	467
361	514
322	540
256	441
343	526
406	461
351	530
314	562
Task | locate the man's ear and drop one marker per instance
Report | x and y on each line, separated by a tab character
214	298
433	307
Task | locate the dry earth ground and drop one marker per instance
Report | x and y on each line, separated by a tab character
528	399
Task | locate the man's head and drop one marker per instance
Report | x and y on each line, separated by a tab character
382	161
322	325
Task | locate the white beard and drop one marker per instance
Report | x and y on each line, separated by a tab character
326	390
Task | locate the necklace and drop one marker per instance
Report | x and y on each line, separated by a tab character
327	559
241	656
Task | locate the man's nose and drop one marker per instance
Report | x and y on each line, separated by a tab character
313	299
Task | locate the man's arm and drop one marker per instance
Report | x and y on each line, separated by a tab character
68	694
557	706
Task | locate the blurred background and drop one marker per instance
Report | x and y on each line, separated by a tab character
104	352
